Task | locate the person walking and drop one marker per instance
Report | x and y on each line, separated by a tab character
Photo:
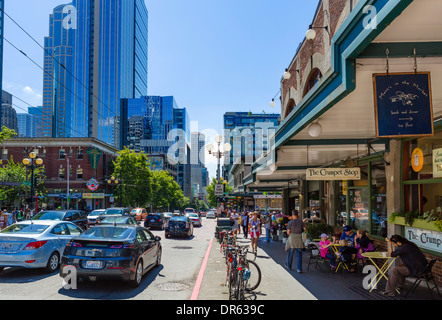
267	226
254	231
295	228
245	224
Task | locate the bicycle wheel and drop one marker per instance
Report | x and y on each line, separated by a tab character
232	282
240	284
255	276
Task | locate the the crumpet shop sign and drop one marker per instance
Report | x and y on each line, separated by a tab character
426	239
333	174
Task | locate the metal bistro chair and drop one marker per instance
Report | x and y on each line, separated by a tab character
315	256
427	276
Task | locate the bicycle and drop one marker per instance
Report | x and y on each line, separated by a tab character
242	274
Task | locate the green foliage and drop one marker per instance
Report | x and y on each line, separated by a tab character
314	230
434	215
18	172
6	134
166	192
211	192
135	178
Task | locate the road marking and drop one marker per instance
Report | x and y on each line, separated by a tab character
199	280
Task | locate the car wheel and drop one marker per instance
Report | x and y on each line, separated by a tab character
138	275
53	263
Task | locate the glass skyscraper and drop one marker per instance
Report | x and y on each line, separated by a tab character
157	126
104	57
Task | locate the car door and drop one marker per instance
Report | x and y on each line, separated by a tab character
151	254
61	231
143	246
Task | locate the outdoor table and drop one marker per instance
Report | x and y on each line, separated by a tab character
384	268
335	247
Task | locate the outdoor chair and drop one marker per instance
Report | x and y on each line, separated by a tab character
315	256
427	276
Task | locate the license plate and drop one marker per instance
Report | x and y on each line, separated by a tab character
7	246
92	264
153	220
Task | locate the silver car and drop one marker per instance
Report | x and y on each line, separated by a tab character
36	244
94	215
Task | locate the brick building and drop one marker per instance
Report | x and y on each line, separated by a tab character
87	158
340	110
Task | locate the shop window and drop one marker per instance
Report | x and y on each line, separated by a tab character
423	189
379	200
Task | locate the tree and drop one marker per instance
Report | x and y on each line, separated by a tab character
6	134
132	169
18	172
211	192
166	192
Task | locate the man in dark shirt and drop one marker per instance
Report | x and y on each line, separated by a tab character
413	259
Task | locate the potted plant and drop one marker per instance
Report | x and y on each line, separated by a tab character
429	220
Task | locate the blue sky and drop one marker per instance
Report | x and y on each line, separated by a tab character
213	56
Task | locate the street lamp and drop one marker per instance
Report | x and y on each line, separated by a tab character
114	181
32	162
219	154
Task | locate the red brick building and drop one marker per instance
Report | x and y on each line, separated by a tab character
86	158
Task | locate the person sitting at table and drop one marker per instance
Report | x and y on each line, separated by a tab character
324	246
349	251
363	243
412	257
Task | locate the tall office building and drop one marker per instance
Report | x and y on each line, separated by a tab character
2	26
158	127
198	169
96	55
8	113
250	136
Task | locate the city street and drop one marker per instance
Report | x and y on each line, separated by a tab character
173	280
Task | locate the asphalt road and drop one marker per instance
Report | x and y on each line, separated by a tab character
174	279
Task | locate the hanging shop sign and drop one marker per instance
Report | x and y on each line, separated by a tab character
417	160
94	157
426	239
437	163
403	104
322	174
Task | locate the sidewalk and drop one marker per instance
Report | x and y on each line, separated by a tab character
278	283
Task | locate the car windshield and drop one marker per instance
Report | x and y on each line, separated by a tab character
113	211
96	213
193	215
49	215
106	232
136	211
25	228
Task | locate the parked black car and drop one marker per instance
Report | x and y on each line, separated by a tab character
179	226
107	251
76	216
155	220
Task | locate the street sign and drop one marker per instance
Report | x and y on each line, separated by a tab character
219	190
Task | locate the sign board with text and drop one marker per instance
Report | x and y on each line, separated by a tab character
322	174
437	163
426	239
219	190
403	104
